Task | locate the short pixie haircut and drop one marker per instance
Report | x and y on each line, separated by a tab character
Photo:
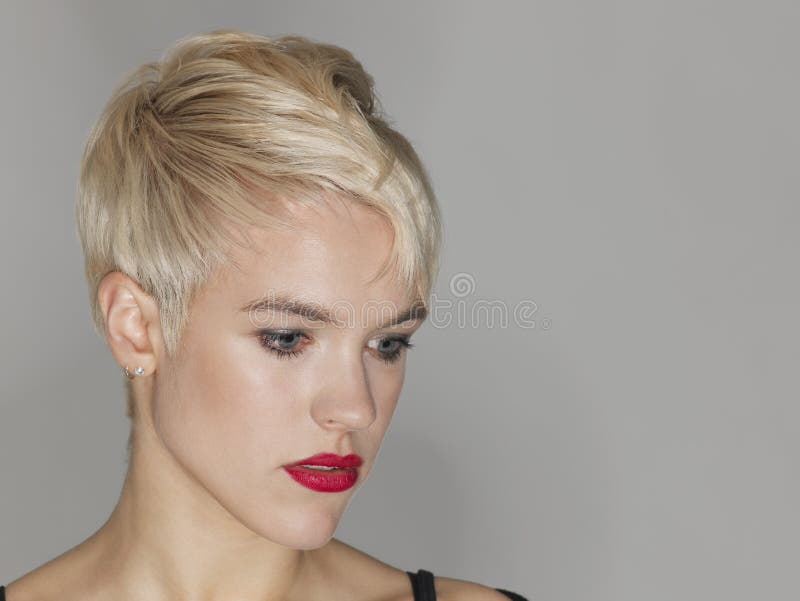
227	127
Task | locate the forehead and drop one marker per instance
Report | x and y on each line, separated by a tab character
330	257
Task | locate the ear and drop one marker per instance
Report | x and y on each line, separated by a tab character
133	327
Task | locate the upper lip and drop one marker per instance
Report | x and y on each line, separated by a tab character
329	460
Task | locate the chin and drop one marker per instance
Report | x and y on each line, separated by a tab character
303	527
304	535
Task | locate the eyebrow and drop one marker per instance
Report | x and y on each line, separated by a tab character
316	312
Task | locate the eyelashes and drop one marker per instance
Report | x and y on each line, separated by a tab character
283	344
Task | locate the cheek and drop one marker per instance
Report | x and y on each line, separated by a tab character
227	414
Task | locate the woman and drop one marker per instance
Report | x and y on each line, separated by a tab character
259	248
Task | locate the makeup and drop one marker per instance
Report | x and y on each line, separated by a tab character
326	472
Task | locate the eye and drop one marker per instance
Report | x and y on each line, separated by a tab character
282	343
391	347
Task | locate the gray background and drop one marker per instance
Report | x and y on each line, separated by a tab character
630	167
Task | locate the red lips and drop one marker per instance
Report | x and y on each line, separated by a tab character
330	460
342	476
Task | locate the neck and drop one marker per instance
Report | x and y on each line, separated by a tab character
168	539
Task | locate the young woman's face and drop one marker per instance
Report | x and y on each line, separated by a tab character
254	389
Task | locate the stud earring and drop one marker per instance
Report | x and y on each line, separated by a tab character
138	371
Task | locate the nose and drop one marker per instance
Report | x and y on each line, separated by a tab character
346	401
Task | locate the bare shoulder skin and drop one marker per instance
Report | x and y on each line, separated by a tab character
344	573
382	582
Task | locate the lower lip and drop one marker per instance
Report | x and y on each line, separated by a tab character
324	481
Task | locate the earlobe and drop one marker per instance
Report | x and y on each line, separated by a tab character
128	312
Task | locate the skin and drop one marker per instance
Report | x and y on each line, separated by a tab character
206	511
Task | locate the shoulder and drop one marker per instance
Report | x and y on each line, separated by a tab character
62	577
374	580
345	572
39	583
454	589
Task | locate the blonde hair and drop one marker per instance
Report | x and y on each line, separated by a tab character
185	143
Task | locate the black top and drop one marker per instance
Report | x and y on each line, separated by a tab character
421	583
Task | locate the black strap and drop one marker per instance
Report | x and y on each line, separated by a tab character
2	593
510	594
421	584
